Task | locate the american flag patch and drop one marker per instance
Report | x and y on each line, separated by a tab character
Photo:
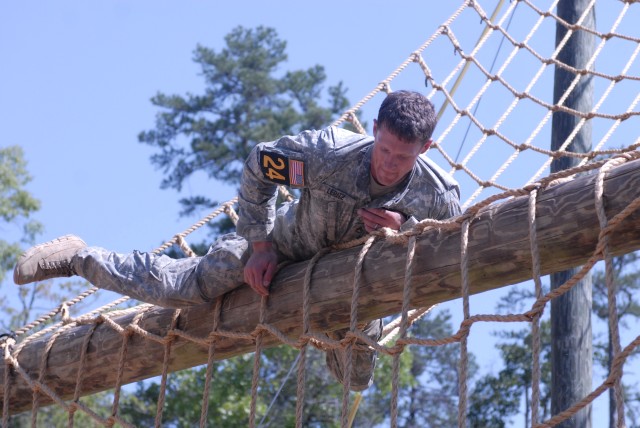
279	168
296	172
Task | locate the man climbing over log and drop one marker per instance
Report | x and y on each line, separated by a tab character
350	185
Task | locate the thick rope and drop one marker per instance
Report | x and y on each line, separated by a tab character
348	350
165	369
464	357
210	361
611	286
306	312
535	322
404	325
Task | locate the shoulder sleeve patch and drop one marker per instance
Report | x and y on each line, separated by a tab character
280	169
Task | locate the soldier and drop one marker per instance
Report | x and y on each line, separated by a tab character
350	185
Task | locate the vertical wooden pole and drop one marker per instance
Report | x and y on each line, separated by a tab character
571	313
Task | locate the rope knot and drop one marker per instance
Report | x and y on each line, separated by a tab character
129	331
170	337
536	311
537	186
349	339
260	328
9	343
66	316
7	338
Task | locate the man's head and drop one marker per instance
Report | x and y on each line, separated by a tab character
402	132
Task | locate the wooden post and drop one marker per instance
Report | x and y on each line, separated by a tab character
571	313
499	255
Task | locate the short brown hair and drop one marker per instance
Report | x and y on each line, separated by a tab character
408	115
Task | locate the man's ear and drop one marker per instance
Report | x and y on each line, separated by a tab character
426	146
375	128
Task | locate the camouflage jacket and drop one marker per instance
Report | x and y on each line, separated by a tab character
331	168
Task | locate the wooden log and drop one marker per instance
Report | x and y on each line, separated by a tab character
498	256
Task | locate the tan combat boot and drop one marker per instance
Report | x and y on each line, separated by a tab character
48	260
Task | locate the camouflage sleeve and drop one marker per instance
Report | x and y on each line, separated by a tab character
447	206
450	206
288	161
257	201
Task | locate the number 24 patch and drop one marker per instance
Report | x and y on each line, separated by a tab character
282	170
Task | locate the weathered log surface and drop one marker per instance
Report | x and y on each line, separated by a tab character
498	256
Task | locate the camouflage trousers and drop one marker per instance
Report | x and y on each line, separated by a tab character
176	283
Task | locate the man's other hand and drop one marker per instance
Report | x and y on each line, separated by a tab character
261	267
376	218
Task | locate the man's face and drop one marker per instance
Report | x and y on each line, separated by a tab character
392	158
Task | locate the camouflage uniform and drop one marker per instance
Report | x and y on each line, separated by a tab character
331	168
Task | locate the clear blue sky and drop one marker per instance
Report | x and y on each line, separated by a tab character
77	78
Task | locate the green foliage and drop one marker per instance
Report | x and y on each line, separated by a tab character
16	208
230	394
247	100
14	200
626	283
428	379
492	403
54	416
428	395
496	398
20	305
16	205
228	402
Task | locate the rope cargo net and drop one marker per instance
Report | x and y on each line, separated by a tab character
460	69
